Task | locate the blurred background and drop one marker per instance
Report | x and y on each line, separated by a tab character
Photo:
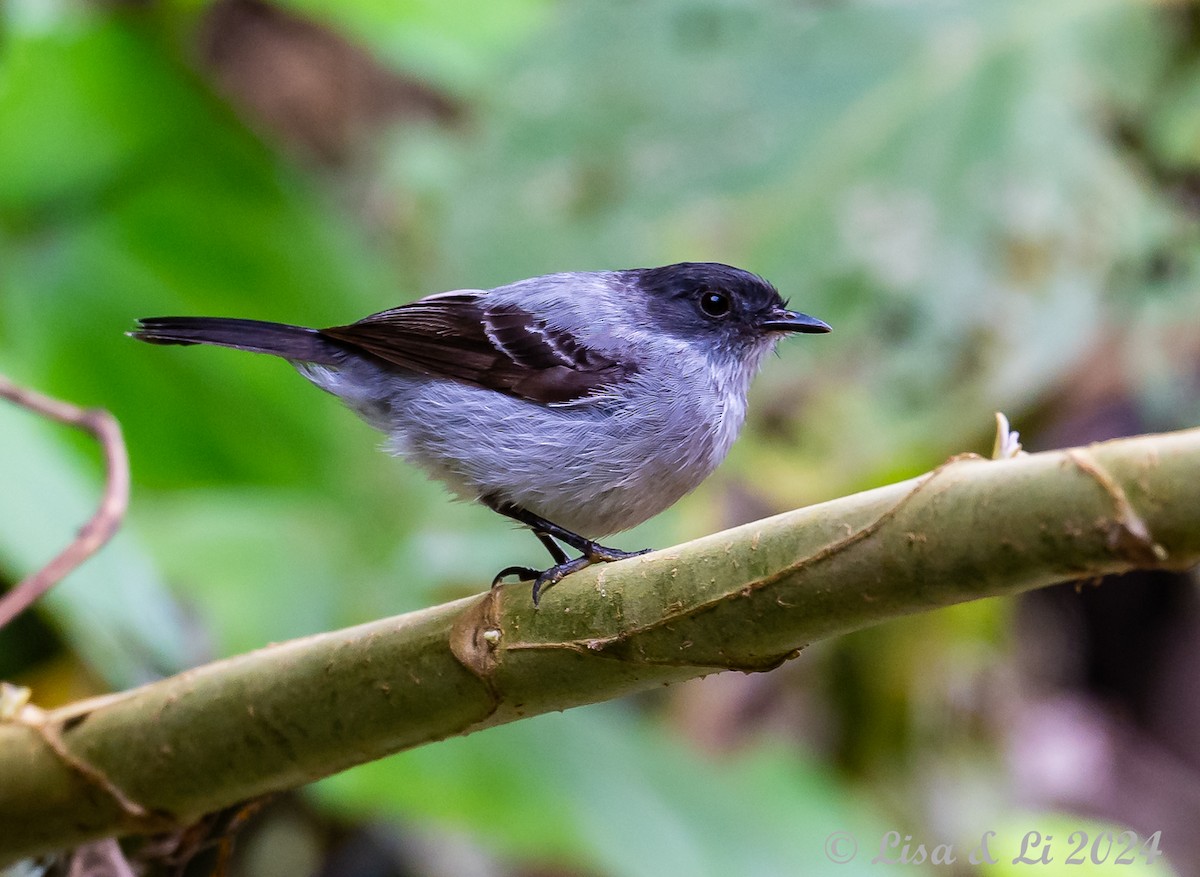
994	204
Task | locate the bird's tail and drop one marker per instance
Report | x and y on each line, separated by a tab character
279	339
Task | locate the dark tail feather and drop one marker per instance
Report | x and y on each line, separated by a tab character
291	342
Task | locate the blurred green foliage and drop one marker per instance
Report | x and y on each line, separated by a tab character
978	197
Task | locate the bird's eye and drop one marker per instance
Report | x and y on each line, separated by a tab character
715	304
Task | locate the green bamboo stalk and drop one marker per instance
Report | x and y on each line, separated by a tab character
745	599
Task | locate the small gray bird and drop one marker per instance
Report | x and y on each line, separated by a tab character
578	404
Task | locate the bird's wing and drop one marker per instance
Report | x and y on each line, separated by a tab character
499	346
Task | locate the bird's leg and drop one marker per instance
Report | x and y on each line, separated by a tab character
528	573
547	532
546	539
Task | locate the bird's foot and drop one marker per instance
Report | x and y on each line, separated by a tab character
523	574
595	553
556	574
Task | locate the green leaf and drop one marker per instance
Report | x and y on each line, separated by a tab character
113	608
599	788
453	43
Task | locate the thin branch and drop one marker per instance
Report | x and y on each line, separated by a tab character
107	519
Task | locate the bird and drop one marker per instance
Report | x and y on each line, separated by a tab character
579	404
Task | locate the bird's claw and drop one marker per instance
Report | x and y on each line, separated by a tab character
543	579
556	574
523	574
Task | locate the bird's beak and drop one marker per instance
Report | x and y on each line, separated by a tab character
790	321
